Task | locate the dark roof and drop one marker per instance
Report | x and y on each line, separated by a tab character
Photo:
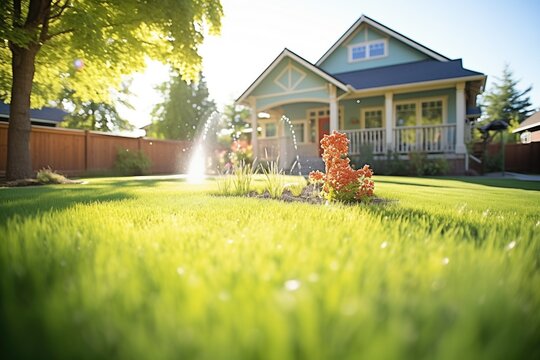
418	71
47	114
474	111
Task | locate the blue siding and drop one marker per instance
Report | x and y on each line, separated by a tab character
398	53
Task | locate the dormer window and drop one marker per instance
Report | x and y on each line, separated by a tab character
368	50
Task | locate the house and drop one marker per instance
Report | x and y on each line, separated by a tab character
45	117
529	129
387	92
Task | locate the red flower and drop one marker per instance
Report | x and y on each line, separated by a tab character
340	180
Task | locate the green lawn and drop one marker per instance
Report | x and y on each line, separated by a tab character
157	268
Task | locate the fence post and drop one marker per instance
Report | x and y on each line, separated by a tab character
86	152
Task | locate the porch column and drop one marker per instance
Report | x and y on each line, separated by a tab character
460	118
389	120
334	115
254	140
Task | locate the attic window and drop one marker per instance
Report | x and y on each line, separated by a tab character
368	50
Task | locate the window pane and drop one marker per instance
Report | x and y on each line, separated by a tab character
299	132
432	112
358	52
270	130
376	49
373	119
312	131
406	115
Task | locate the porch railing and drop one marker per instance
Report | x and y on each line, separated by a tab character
268	149
375	138
425	138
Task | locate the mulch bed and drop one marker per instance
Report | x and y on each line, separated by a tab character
309	195
34	182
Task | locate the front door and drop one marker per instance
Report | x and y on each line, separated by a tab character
324	129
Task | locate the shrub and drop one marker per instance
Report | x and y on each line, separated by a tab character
341	182
132	162
420	165
49	176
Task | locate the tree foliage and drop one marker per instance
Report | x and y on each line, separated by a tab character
185	106
43	41
92	115
505	102
108	38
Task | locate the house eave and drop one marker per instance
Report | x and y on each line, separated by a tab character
243	99
386	30
394	88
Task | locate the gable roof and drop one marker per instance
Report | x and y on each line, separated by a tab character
529	123
284	54
415	72
366	20
46	114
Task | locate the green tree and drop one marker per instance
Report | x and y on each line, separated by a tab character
92	115
505	102
236	119
185	106
43	40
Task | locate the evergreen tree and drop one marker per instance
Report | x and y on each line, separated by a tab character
505	102
184	108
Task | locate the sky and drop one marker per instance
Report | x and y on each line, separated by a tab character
485	34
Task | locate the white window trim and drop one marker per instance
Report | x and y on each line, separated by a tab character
372	108
306	125
263	128
418	102
366	44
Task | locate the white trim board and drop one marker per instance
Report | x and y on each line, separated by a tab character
287	53
366	20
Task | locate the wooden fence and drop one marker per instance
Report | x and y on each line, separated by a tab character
520	158
79	152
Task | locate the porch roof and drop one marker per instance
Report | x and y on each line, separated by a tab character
415	72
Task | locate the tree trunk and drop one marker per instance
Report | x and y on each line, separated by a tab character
19	162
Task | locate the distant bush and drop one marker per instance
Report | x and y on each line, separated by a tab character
420	165
132	162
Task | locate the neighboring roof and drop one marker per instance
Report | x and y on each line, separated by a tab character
288	53
529	123
366	20
415	72
474	111
46	114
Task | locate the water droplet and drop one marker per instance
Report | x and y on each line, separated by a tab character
292	285
384	245
180	270
224	296
511	245
445	261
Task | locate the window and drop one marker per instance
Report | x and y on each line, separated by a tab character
299	132
372	118
367	50
406	114
312	130
270	130
432	112
376	49
358	52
